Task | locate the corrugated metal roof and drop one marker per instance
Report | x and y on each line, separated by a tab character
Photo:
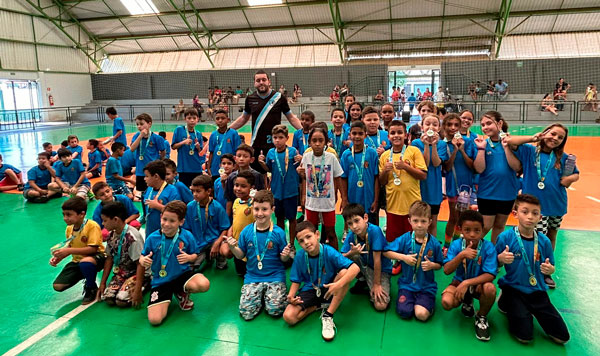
369	33
371	10
185	42
144	25
577	22
471	7
157	44
523	5
106	27
534	24
311	14
276	38
238	40
469	28
126	46
314	36
90	9
417	30
224	20
278	16
54	59
407	9
15	26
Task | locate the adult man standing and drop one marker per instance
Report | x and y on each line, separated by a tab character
265	106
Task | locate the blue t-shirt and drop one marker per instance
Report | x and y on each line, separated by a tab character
40	176
224	143
186	162
93	159
464	174
128	161
498	181
104	155
377	242
517	275
129	207
300	141
283	186
375	141
71	173
5	166
554	195
431	187
273	269
487	262
152	215
425	280
167	149
205	232
219	192
471	135
184	192
332	263
113	166
77	149
119	125
150	149
338	141
364	195
185	242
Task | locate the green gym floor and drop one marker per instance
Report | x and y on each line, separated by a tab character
30	309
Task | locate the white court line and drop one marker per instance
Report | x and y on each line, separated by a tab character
592	198
47	330
571	188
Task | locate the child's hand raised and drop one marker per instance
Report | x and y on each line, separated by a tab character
146	261
547	268
480	143
506	257
388	167
301	171
427	265
288	251
54	261
356	249
469	252
231	241
297	158
261	157
410	260
183	257
60	253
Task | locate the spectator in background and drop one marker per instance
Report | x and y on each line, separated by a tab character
560	95
403	98
395	98
179	109
411	101
440	97
378	98
419	95
427	95
334	98
491	90
471	91
217	95
282	89
344	92
237	95
562	85
198	106
548	104
211	94
591	98
297	93
501	89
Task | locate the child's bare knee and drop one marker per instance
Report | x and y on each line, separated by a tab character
422	314
60	287
489	289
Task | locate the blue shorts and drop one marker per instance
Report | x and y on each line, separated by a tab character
286	208
405	305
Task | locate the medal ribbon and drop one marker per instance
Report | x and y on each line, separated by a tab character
260	256
142	152
319	268
150	197
337	143
471	271
378	140
220	145
392	159
420	256
164	257
551	159
117	258
193	145
359	171
524	253
286	160
67	242
202	226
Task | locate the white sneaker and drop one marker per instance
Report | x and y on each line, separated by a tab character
344	236
328	331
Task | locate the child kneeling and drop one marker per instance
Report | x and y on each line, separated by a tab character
325	276
266	248
474	260
171	272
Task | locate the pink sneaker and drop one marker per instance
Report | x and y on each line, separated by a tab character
185	303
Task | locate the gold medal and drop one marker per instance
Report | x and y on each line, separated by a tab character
397	181
430	133
541	185
191	152
247	211
218	153
141	158
360	184
532	281
116	270
260	265
221	170
457	136
162	273
318	292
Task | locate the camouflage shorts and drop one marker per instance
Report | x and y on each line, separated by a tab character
368	275
119	289
251	300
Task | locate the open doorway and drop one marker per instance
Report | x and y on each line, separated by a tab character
19	101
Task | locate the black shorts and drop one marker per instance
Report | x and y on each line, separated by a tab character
286	208
187	177
71	273
435	209
164	292
520	309
95	174
140	184
494	207
310	299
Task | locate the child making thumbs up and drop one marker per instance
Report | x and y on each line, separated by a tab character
474	261
524	291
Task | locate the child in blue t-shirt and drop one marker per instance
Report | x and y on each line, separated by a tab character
300	139
361	173
208	222
431	188
498	183
189	143
364	246
184	191
527	257
320	275
50	150
128	162
459	172
94	169
159	193
10	177
375	138
282	161
114	171
119	134
475	262
466	121
546	176
105	195
70	176
266	249
227	166
38	178
74	147
169	253
223	141
163	134
147	147
338	136
420	254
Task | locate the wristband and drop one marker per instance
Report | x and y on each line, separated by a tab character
480	149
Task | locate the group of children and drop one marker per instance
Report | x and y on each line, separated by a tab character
198	212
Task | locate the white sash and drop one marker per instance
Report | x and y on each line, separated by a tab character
263	114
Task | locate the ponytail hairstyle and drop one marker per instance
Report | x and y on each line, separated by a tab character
560	149
446	121
497	117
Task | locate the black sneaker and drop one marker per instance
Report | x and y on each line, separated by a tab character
482	328
467	310
550	282
20	187
89	295
360	287
221	263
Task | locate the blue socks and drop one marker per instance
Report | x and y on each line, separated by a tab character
88	270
